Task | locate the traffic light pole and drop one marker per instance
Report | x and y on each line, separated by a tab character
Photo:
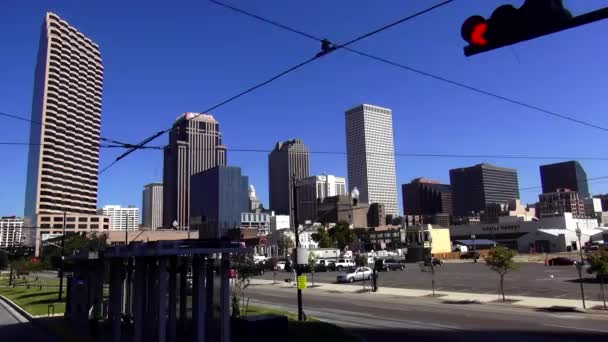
61	265
297	237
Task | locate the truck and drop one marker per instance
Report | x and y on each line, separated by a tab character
343	263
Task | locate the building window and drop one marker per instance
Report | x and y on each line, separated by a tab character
45	225
105	226
106	219
71	219
57	226
94	219
82	219
69	226
45	219
58	219
82	226
94	226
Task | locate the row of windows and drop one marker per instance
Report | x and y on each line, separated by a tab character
89	113
58	30
54	115
67	203
62	156
68	141
72	165
73	226
53	163
91	156
66	196
92	176
70	189
50	207
66	48
72	219
92	183
93	80
93	104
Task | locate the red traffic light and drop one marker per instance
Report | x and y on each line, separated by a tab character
474	30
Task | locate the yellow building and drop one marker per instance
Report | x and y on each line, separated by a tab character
424	240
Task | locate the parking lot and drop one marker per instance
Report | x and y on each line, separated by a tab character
530	279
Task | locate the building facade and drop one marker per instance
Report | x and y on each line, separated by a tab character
254	202
312	190
565	175
259	221
475	187
152	206
11	231
195	145
121	218
370	155
561	201
63	160
287	159
426	197
217	199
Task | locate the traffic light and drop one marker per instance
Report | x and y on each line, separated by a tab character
509	25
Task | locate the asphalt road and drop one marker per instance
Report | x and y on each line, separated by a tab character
14	327
530	279
376	317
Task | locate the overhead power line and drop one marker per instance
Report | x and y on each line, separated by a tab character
418	71
327	49
586	181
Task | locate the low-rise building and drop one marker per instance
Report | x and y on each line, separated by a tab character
561	201
259	221
555	233
425	240
11	231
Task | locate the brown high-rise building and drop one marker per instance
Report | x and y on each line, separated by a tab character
426	197
195	145
63	160
288	158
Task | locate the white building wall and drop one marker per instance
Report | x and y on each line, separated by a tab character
122	218
371	155
11	231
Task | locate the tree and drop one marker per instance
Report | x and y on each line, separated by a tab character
322	238
284	244
3	259
245	269
500	260
311	264
598	263
342	235
51	254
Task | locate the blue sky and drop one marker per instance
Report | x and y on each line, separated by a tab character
163	58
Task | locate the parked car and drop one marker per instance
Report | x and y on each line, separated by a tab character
470	255
281	265
560	261
389	265
353	274
325	265
343	263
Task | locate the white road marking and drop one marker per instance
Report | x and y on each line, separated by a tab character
575	328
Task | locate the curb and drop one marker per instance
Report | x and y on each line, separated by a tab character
17	308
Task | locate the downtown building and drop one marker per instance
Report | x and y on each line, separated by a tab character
152	206
371	155
313	190
11	231
121	218
63	159
287	159
218	197
566	175
426	197
195	145
477	187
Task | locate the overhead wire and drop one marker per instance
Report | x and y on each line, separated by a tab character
411	69
281	74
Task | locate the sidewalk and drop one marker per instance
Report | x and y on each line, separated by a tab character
530	302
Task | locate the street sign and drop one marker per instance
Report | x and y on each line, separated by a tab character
301	282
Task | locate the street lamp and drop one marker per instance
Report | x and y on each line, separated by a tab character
474	248
432	264
580	264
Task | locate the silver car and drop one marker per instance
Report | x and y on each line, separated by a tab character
353	274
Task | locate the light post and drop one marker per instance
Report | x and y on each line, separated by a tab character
432	264
474	248
580	264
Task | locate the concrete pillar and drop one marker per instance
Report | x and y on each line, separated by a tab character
198	300
183	296
212	328
151	298
225	298
128	302
138	302
116	293
172	335
162	295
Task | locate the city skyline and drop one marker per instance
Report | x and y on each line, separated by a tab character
144	167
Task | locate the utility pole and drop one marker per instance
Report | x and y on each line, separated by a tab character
127	229
579	265
297	236
62	257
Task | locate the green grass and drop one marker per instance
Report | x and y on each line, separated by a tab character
34	300
31	280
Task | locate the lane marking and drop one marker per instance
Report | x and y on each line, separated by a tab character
575	328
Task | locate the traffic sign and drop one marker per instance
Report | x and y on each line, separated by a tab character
301	282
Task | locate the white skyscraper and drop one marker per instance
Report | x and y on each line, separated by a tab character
152	206
121	218
371	155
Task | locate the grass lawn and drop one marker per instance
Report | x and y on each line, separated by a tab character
311	330
34	300
32	280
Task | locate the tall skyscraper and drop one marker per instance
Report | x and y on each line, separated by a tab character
566	175
152	206
195	145
63	160
426	197
475	187
371	155
287	159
